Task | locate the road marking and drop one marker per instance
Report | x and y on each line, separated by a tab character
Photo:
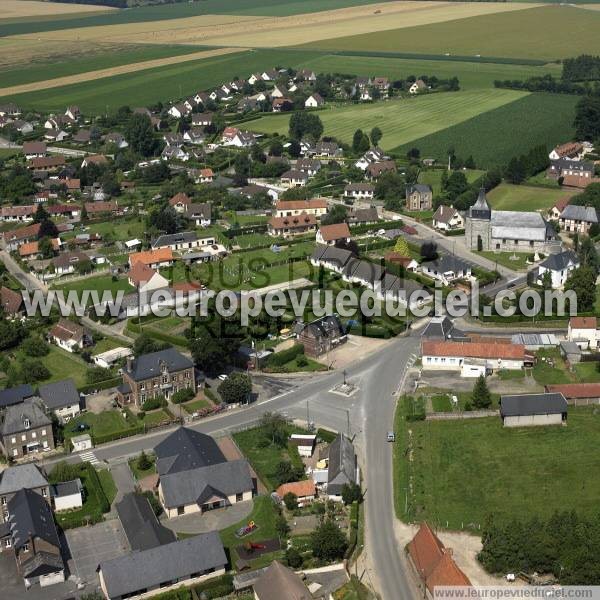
89	457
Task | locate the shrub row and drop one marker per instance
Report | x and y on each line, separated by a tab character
215	588
101	385
279	359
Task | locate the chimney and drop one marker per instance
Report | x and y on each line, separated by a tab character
129	363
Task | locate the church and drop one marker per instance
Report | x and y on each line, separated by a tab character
507	230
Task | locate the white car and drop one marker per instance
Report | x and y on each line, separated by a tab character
223	377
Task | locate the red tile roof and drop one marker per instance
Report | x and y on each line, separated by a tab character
301	204
300	488
474	350
576	390
151	257
583	323
11	301
23	233
338	231
296	222
180	198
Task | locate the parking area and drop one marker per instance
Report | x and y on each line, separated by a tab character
89	546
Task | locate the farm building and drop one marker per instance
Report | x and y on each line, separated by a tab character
526	410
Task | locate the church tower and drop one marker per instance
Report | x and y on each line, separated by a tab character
478	226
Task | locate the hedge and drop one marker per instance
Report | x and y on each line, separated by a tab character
285	356
353	530
117	435
357	229
453	232
102	385
216	588
158	335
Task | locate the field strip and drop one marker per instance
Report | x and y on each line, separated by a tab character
221	30
14	9
120	70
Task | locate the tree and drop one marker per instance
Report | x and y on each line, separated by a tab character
275	428
144	344
46	248
293	558
281	526
305	124
139	133
165	219
481	397
276	148
376	136
291	501
360	141
516	171
456	184
47	229
351	493
285	472
41	214
236	388
588	255
11	334
143	462
328	542
401	247
35	346
242	169
582	281
547	281
587	118
184	395
429	251
337	214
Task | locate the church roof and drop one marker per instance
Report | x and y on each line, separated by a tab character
481	208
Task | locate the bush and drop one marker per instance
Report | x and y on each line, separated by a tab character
154	403
291	501
293	558
35	347
302	361
216	588
279	359
183	396
143	462
154	503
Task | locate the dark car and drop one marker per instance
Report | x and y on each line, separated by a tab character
80	427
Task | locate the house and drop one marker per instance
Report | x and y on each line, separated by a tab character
382	84
34	149
27	476
526	410
282	105
447	218
371	156
94	159
376	169
61	398
10	109
46	163
26	429
328	149
195	476
83	136
433	562
566	167
145	279
306	75
175	153
179	110
14	239
195	135
199	214
204	176
332	234
19	214
141	526
32	536
293	208
185	240
305	443
558	207
447	268
73	112
418	86
305	491
56	135
405	291
330	257
11	302
156	374
277	582
232	136
568	150
359	191
67	495
342	467
311	166
295	225
116	139
465	357
15	395
23	127
31	250
441	329
69	336
314	101
294	178
202	119
163	568
100	208
578	219
406	262
321	335
559	266
180	202
419	197
363	216
364	272
173	139
109	358
155	259
584	332
571	352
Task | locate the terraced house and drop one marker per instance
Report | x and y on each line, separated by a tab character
156	374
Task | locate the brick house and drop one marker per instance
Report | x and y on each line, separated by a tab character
26	429
156	374
321	336
419	197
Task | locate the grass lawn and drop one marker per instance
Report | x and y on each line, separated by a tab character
99	283
523	197
550	368
264	459
509	375
108	343
353	590
108	484
253	240
486	137
433	178
64	365
196	405
139	473
441	403
104	423
587	372
245	220
505	259
405	119
464	470
154	417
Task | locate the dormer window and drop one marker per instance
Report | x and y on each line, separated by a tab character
26	423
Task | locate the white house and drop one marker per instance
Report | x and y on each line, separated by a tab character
447	218
359	191
560	266
67	495
314	101
447	268
82	443
418	86
305	443
69	336
584	332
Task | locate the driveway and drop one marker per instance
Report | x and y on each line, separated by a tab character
123	479
209	521
90	546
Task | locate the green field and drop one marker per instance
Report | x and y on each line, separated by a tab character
100	283
155	85
464	470
472	75
549	33
400	120
505	259
64	365
433	179
490	137
523	197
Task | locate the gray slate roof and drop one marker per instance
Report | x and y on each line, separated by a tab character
421	188
148	365
332	255
342	465
186	449
532	404
59	394
481	209
580	213
446	263
198	486
516	225
175	238
31	409
140	524
26	476
66	488
560	261
15	395
149	568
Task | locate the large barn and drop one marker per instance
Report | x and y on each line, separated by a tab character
526	410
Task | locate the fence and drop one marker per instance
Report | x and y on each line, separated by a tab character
469	414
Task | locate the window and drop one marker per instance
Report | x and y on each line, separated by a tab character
15	452
7	542
23	437
25	548
13	440
239	497
3	500
181	510
26	423
142	386
165	379
44	492
43	432
33	434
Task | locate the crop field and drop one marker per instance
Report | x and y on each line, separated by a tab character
524	198
549	32
153	85
268	31
401	120
472	75
490	137
16	9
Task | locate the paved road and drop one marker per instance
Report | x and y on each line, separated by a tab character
28	281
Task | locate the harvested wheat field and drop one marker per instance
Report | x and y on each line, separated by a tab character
120	70
228	30
14	9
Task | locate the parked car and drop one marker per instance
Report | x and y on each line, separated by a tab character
391	436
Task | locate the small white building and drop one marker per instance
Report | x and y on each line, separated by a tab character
107	359
560	266
305	443
67	495
82	443
527	410
584	332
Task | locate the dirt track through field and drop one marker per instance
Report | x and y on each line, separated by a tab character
120	70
